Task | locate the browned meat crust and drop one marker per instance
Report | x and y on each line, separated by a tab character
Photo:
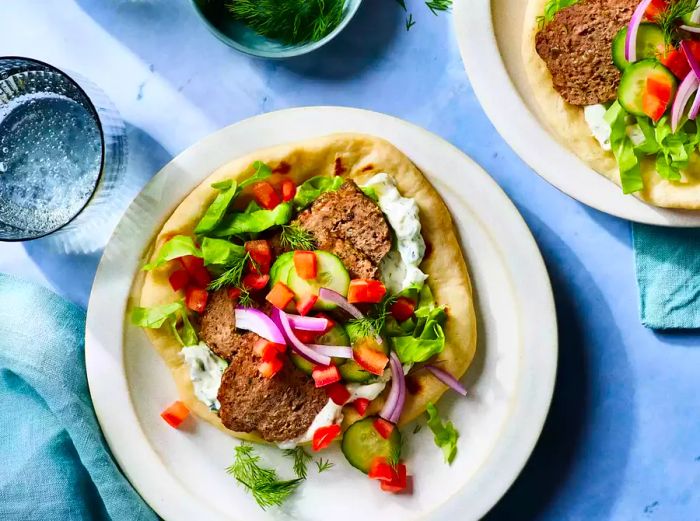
577	48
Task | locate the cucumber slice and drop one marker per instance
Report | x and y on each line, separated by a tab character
687	21
362	443
633	84
650	43
335	337
301	363
280	268
351	371
331	274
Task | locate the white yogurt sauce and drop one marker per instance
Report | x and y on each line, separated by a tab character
206	370
333	413
595	118
399	268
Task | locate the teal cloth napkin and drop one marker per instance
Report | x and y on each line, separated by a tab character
668	275
54	463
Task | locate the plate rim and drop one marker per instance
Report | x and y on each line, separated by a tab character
537	415
513	120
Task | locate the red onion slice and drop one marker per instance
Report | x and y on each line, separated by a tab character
393	407
690	28
685	90
447	379
297	345
695	107
340	301
308	323
632	29
692	60
258	322
334	351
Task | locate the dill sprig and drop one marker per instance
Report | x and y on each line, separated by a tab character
373	322
417	428
263	483
410	22
290	21
394	457
294	237
232	275
301	459
438	5
323	465
668	19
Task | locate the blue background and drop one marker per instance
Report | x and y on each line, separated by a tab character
622	440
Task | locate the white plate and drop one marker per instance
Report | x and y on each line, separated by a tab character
181	473
489	34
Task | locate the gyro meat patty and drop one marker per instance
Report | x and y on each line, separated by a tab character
577	48
218	326
279	408
349	224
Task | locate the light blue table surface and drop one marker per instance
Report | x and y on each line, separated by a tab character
622	440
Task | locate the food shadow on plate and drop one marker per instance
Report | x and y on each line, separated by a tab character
72	273
582	411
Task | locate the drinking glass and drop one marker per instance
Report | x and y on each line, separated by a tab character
62	154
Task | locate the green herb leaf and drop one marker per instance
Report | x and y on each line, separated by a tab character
178	246
410	22
438	5
417	428
155	317
445	433
232	276
254	222
301	459
263	483
670	18
294	237
372	323
323	465
551	8
311	189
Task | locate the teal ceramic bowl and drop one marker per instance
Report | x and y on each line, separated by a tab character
244	39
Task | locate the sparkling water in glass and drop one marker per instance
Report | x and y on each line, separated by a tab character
62	155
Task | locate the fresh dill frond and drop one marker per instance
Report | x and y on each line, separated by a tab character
263	483
294	237
394	457
245	299
323	465
290	21
410	22
438	5
233	274
668	19
301	459
417	428
402	3
373	322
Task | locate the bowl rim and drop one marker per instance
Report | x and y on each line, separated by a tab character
291	52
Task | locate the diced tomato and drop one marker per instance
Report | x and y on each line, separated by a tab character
261	255
331	323
179	279
398	481
656	7
268	350
270	368
305	264
324	436
196	299
304	304
325	375
361	405
366	290
191	263
383	427
201	277
255	282
308	337
371	360
234	293
403	308
265	195
280	295
338	393
175	414
381	470
676	62
656	97
289	190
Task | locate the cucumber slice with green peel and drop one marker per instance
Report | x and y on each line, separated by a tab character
350	371
687	21
335	337
280	268
331	274
362	444
301	363
650	43
633	84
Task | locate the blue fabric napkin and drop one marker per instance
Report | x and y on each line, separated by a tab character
54	463
668	275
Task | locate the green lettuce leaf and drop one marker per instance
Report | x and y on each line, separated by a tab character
309	190
623	149
254	222
551	8
178	246
221	252
445	434
155	317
